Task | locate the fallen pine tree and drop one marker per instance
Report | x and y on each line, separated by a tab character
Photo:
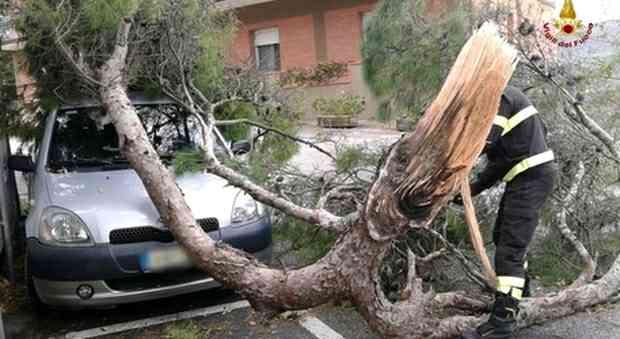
421	173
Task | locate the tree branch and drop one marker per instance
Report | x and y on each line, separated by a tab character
277	290
592	126
433	256
468	266
83	70
275	130
589	264
474	232
313	216
338	192
462	301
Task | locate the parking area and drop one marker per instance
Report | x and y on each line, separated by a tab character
216	314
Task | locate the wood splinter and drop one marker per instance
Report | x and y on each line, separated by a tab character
474	233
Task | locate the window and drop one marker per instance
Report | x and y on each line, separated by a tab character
267	44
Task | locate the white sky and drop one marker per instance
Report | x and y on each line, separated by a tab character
594	10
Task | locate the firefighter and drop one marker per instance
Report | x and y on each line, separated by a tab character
518	155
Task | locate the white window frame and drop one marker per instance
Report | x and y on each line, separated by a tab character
265	37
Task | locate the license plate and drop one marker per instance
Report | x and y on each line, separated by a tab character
161	260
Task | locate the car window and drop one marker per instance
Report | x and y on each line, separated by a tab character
86	139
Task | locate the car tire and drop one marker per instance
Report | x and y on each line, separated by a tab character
33	296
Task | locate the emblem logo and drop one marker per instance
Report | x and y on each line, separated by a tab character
567	30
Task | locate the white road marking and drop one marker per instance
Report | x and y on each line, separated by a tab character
318	328
132	325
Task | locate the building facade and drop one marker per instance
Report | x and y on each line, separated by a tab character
282	35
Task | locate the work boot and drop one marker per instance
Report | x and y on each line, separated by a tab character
502	321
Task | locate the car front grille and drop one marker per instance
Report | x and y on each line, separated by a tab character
149	233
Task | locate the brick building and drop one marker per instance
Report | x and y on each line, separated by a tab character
281	35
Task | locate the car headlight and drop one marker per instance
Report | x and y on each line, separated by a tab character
60	227
244	208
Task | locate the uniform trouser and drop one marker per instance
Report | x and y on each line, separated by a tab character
518	216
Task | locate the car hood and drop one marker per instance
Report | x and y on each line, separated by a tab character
117	199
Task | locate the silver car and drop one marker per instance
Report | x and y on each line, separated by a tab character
94	238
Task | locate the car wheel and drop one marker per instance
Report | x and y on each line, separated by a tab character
33	296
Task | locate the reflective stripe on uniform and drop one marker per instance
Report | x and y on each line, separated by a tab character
528	163
501	121
509	124
512	286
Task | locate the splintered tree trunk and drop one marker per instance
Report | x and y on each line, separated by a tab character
420	174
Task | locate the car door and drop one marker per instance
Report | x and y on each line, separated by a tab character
8	210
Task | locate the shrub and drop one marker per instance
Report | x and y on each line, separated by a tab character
343	105
314	76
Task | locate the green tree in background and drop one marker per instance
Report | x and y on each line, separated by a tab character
407	54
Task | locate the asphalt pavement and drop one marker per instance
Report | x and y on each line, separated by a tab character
603	323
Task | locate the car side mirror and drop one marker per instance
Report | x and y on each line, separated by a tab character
21	163
241	147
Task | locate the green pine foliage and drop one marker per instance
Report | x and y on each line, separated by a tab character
187	161
90	26
105	15
407	54
308	242
236	110
351	157
210	64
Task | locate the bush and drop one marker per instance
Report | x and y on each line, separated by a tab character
343	105
313	76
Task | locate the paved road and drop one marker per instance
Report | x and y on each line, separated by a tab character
601	324
27	324
324	323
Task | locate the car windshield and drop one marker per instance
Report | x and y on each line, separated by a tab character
86	139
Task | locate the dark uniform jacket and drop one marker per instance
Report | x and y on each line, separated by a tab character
505	151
